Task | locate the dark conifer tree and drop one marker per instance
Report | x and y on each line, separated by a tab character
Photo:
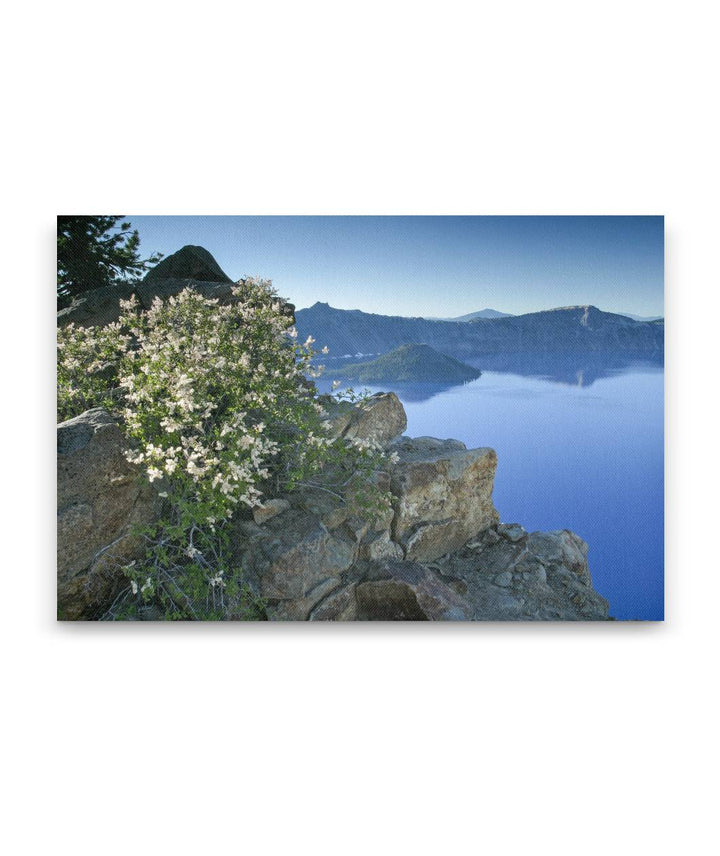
96	251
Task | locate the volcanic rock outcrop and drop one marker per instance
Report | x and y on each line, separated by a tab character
190	262
440	553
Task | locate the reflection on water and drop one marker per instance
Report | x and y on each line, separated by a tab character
415	392
580	446
571	369
581	370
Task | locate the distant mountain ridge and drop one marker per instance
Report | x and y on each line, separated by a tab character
643	317
493	313
567	329
471	316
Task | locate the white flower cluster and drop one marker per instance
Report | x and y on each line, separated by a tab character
194	381
83	357
211	395
365	444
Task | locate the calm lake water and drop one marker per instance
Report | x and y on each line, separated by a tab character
577	449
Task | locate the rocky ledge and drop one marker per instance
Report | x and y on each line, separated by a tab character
440	553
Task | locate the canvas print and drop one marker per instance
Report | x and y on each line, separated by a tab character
359	418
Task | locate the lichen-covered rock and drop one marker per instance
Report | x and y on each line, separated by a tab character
442	495
95	308
408	591
512	531
102	306
100	497
293	560
379	546
339	605
543	576
269	509
539	577
391	590
380	418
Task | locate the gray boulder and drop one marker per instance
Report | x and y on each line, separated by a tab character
96	308
293	560
380	418
100	498
408	591
391	590
442	495
102	306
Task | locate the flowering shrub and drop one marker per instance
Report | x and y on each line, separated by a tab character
86	366
215	403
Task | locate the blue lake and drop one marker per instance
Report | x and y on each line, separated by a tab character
576	450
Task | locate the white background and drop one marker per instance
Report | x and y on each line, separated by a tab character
360	739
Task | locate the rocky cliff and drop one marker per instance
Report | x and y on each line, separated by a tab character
440	553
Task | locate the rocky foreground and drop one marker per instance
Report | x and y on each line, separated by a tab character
440	554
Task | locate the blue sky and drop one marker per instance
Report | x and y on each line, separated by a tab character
441	266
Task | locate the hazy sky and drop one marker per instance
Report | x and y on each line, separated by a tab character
442	266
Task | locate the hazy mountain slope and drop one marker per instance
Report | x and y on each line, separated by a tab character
471	316
569	329
642	317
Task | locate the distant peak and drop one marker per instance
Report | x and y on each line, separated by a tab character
583	307
415	347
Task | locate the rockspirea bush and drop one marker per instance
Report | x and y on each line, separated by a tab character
218	412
